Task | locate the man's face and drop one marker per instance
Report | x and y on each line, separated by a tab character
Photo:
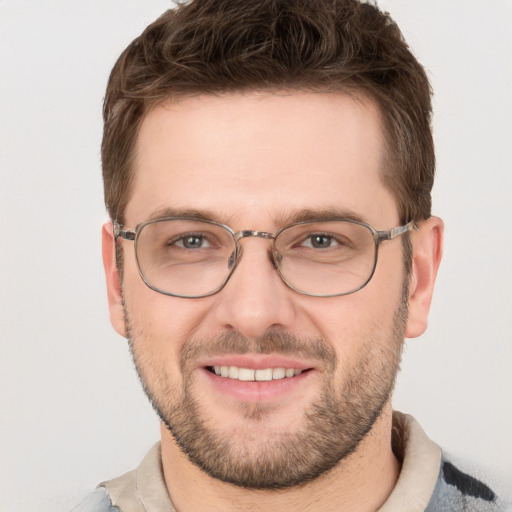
252	161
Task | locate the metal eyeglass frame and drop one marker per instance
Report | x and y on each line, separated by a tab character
378	237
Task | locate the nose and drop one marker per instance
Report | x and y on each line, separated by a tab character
255	300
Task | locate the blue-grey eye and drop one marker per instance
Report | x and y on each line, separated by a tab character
319	241
192	242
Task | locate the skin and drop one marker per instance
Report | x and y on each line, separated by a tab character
251	160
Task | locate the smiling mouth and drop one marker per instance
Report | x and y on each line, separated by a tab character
252	375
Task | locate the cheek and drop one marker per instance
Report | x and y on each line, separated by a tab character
346	326
353	322
159	324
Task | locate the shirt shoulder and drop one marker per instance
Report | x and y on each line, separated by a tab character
430	482
140	490
96	501
457	490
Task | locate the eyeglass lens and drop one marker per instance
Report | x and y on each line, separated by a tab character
191	258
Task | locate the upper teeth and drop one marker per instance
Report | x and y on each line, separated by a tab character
249	374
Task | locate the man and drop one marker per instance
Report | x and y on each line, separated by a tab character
267	169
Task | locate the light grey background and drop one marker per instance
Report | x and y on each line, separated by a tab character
72	412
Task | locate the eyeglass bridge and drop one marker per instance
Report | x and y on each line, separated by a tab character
247	233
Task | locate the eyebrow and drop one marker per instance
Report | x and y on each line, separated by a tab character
317	215
191	213
282	219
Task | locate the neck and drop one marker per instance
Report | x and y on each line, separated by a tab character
361	482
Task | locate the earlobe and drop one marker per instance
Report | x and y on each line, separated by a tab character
115	298
427	245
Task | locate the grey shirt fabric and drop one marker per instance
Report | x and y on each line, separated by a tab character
96	501
428	482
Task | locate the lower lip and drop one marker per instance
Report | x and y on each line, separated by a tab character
256	391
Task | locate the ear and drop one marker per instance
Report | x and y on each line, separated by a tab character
427	245
115	298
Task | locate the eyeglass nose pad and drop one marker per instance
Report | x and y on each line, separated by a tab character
232	260
277	257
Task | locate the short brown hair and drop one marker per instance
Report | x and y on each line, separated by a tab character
218	46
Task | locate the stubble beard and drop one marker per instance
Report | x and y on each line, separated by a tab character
333	426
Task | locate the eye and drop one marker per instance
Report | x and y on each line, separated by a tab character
192	241
319	241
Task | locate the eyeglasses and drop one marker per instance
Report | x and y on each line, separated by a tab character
190	258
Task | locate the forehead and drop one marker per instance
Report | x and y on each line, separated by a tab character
257	157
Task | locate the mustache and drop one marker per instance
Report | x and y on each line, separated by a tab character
274	342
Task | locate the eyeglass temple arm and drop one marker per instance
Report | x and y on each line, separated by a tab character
394	232
119	232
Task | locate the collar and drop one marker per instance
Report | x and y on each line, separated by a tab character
421	462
